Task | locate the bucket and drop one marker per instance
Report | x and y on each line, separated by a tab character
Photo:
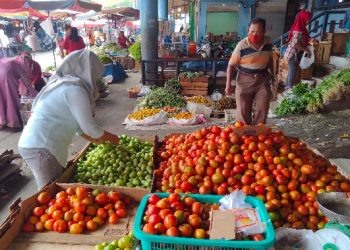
230	115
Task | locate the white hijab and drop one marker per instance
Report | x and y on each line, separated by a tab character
80	68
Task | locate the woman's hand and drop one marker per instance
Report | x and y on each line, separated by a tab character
228	89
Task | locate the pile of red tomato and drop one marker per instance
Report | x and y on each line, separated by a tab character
76	209
179	216
282	171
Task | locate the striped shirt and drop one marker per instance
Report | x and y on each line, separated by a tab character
251	60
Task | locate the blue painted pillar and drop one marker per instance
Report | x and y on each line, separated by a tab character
149	35
149	29
163	9
244	19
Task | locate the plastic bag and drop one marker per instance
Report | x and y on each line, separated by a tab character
196	119
248	220
197	108
160	118
307	61
216	96
144	90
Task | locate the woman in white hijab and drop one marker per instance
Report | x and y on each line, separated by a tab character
64	107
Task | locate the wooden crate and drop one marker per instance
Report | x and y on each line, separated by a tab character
322	52
194	88
125	61
338	42
305	74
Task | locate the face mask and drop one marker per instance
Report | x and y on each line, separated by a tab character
256	39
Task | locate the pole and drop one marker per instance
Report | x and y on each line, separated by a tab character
192	21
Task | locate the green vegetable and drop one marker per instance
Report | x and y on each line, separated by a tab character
105	59
135	51
113	48
192	75
161	97
173	85
130	163
304	99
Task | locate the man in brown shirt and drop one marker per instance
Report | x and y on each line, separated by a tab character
252	58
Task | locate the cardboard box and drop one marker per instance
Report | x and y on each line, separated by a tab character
11	228
222	224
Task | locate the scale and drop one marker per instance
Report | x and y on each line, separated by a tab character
336	207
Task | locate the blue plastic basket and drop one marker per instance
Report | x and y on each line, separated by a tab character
157	242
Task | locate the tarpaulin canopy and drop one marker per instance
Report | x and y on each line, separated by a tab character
21	13
76	5
127	11
13	6
88	24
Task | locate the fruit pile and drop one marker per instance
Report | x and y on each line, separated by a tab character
180	216
200	100
124	243
225	103
128	164
76	209
182	115
281	171
143	113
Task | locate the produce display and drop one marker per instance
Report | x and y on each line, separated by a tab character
200	100
105	59
75	210
282	171
182	115
113	48
225	103
172	85
192	75
135	51
130	163
124	243
162	97
143	113
181	217
304	99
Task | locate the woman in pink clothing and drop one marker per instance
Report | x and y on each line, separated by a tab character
12	73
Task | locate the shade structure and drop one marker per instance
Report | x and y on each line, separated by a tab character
63	13
21	13
6	5
88	24
127	12
75	5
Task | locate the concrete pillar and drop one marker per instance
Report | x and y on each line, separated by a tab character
163	9
244	19
149	35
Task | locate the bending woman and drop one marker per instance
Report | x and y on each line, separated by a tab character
64	107
298	39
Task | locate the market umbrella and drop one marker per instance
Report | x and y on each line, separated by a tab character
59	14
21	13
88	23
10	5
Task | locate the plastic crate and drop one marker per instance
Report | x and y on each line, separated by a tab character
157	242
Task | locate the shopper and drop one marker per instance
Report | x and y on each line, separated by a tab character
122	40
4	44
252	58
64	107
12	73
298	39
73	42
34	72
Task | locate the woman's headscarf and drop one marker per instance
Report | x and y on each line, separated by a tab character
81	68
299	24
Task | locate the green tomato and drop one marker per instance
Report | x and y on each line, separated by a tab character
99	247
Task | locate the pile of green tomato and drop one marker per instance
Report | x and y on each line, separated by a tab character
124	243
130	163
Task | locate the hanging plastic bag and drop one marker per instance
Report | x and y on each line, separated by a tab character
196	119
307	60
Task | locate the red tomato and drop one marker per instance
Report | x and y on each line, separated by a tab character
43	198
172	232
194	220
153	199
149	229
200	233
175	197
258	237
197	208
81	192
154	219
121	213
102	213
119	205
91	225
170	221
102	199
185	230
75	229
113	219
60	226
113	196
38	211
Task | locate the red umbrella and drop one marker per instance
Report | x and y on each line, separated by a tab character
6	5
